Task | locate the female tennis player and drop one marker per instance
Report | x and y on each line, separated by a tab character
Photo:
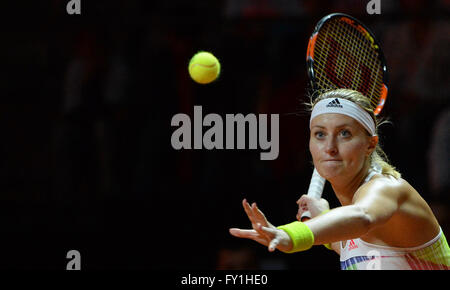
382	223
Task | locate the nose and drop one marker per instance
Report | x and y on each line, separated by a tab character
331	146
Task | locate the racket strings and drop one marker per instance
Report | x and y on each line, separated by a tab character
351	44
344	58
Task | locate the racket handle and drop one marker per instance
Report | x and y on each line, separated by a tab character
315	190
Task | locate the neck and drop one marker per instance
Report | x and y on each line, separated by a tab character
345	187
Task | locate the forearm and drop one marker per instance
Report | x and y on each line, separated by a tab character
339	224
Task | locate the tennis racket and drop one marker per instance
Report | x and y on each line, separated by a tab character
343	53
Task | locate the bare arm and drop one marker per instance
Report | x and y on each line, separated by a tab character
374	204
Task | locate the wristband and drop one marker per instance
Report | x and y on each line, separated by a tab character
325	211
302	237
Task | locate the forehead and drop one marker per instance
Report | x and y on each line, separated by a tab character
333	120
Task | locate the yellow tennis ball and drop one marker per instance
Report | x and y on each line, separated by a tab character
204	67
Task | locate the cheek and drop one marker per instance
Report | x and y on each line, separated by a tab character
354	152
313	148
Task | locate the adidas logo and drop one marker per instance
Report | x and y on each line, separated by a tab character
334	103
352	245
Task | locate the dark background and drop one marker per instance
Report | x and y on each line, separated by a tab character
86	105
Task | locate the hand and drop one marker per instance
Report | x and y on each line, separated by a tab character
313	205
263	232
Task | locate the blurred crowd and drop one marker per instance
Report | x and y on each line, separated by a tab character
86	115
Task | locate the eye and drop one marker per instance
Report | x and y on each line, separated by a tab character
345	133
319	134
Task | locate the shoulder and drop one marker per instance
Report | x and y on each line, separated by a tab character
396	188
386	180
389	191
403	218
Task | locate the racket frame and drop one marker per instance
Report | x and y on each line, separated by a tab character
368	34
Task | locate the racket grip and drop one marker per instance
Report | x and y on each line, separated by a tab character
315	190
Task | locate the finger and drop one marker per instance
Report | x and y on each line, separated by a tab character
263	241
300	199
266	232
244	203
302	206
304	199
305	202
270	234
269	231
258	214
301	210
273	244
249	234
248	211
262	233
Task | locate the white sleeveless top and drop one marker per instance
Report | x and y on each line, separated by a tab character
360	255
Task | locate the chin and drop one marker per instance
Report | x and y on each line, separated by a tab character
328	172
329	176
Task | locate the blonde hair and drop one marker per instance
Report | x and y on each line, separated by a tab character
378	156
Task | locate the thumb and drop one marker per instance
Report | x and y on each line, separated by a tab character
304	199
271	234
269	231
307	198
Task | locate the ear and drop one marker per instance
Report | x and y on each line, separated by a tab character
373	141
